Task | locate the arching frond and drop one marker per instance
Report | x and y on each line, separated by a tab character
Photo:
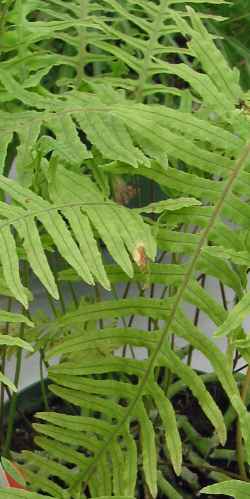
84	385
93	36
78	207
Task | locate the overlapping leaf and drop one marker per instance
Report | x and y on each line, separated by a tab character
128	231
236	489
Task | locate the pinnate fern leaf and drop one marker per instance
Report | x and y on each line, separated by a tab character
234	488
73	384
12	341
128	231
235	317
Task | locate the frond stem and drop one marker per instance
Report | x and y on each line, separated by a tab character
58	207
239	166
3	365
42	382
82	40
239	444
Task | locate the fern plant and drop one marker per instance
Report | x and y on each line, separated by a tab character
233	39
85	92
235	488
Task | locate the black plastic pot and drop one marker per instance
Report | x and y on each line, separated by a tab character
29	400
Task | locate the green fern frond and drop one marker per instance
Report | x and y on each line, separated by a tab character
157	309
11	341
74	385
236	489
89	32
109	127
180	325
86	260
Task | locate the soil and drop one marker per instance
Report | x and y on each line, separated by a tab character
184	404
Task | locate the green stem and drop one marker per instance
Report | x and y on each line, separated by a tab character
141	293
233	176
239	18
150	321
230	348
61	298
223	296
73	294
59	287
168	376
228	455
98	297
43	387
2	391
12	413
240	452
13	402
52	305
196	321
116	297
180	386
166	487
82	40
197	462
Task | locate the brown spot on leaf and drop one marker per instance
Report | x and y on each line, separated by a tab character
140	256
